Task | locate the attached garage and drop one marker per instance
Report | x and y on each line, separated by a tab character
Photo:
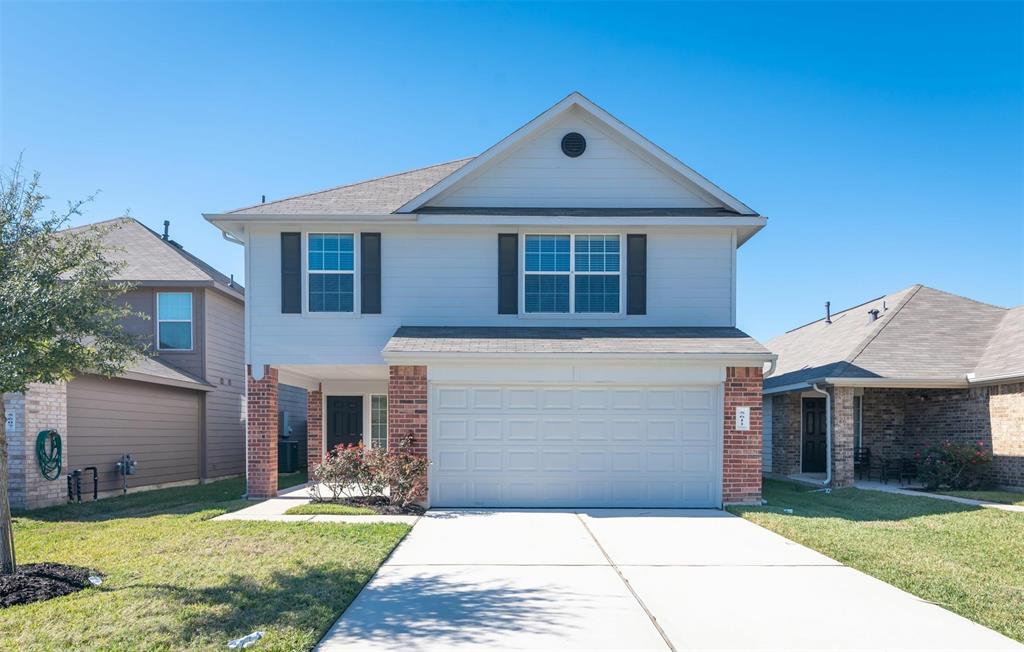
575	445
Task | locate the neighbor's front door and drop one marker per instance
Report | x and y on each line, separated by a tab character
344	420
815	432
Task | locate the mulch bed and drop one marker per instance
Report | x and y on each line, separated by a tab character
35	582
380	505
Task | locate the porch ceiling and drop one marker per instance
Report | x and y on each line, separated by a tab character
307	375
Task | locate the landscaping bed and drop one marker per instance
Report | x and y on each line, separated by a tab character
36	582
964	558
358	505
175	580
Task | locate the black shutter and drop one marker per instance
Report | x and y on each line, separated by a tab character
369	252
291	272
508	273
636	274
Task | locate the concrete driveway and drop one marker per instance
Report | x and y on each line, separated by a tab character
631	580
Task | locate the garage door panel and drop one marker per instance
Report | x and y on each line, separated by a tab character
575	446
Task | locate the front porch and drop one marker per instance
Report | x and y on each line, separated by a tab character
346	405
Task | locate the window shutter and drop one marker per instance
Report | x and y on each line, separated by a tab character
369	256
636	274
291	272
508	273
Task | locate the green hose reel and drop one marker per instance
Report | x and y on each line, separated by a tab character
48	453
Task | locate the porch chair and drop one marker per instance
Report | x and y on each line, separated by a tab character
908	470
862	461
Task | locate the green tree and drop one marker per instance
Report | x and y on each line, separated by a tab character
60	313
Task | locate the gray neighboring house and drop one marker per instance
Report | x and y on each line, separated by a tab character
902	372
179	412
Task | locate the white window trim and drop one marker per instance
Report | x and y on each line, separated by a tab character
572	314
190	321
387	434
356	279
858	433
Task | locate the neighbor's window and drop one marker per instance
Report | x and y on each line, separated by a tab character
378	421
174	321
858	421
579	273
331	267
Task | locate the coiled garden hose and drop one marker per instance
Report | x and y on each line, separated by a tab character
48	453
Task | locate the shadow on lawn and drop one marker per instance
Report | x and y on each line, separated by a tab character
849	504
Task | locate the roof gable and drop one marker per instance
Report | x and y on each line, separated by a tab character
620	169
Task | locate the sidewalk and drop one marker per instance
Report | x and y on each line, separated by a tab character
874	485
274	510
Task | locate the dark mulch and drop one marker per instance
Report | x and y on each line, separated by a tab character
35	582
380	505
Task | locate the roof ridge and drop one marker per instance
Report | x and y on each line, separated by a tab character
859	349
354	183
960	296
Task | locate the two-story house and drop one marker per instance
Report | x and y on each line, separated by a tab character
552	322
179	411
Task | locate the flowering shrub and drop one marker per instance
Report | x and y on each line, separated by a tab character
396	473
954	465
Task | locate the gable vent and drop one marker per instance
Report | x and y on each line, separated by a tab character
573	144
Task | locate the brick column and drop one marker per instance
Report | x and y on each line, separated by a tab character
314	430
842	436
261	435
741	449
407	406
42	407
786	440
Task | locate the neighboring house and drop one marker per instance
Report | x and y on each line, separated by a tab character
902	372
552	322
178	413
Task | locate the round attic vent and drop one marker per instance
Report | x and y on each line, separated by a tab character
573	144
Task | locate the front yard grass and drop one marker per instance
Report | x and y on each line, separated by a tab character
329	508
175	580
967	559
992	496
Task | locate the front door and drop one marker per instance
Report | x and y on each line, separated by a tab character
815	432
344	421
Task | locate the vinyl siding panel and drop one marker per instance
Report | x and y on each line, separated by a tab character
225	370
445	275
610	173
157	425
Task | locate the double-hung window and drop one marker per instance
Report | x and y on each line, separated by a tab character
174	321
572	274
379	421
331	267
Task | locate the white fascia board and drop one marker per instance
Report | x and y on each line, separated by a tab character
602	220
724	359
219	219
531	127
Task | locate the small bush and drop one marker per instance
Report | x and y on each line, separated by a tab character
397	474
954	465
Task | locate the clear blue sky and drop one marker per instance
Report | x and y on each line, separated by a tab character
885	142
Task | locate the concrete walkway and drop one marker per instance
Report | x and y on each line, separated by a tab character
631	580
874	485
274	510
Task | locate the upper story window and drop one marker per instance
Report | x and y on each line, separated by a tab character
331	267
174	321
572	274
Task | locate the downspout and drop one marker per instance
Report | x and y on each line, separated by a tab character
828	436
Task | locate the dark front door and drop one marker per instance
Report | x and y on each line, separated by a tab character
815	431
344	420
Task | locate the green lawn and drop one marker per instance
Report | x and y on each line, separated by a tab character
967	559
1004	497
176	580
329	508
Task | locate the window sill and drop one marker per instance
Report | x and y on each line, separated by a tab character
548	316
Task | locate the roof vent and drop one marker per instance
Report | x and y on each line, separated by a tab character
573	144
167	227
873	314
828	312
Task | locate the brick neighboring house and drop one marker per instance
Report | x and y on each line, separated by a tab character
552	322
178	412
902	372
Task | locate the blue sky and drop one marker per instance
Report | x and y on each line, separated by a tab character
885	142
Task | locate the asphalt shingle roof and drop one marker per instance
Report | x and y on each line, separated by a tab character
920	333
371	197
451	339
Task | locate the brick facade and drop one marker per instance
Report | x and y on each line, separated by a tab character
741	449
42	407
901	422
842	436
314	429
261	435
407	406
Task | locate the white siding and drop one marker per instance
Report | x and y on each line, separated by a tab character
610	173
447	276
